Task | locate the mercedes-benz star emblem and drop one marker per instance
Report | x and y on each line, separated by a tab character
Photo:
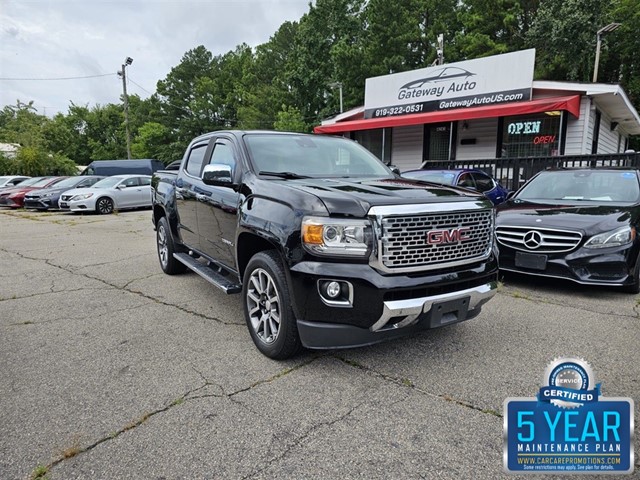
532	240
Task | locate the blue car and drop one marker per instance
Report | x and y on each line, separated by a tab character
463	177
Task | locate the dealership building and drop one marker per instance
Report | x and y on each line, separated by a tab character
486	108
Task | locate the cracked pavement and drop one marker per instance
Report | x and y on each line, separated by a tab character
110	369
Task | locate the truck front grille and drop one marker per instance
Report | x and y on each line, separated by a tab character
435	240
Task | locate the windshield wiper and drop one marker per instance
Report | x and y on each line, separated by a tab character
288	175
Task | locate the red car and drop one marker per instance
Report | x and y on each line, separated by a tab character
14	197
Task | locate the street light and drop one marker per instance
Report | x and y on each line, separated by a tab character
123	74
600	33
338	85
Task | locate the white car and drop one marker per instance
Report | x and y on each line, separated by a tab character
112	193
11	181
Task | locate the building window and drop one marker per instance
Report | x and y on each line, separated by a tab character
536	135
377	141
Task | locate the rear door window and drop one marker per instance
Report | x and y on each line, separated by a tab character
194	162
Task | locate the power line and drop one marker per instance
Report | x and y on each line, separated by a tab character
138	85
57	78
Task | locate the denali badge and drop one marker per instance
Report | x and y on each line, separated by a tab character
436	237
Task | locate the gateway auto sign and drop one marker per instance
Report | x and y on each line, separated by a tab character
484	81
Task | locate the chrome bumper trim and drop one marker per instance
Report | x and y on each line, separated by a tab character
413	307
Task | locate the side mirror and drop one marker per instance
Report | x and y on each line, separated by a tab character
217	174
394	169
511	194
121	186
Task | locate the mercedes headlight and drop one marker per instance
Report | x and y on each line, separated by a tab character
336	237
614	238
82	196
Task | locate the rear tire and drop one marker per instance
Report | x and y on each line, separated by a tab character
166	247
267	307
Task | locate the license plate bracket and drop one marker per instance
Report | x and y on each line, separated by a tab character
452	311
534	261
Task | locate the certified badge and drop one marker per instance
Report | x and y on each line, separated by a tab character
569	382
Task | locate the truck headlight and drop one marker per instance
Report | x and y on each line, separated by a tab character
82	196
336	237
614	238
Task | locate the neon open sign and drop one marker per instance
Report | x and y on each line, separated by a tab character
523	128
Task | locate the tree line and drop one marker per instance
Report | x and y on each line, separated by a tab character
288	83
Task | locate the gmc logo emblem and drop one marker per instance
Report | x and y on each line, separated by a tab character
437	237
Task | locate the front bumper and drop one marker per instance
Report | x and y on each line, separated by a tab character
386	306
613	266
39	203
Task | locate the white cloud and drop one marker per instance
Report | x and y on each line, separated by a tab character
71	38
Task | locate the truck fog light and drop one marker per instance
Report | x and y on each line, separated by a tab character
333	289
336	293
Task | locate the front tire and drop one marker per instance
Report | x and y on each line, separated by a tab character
267	307
166	247
634	288
104	206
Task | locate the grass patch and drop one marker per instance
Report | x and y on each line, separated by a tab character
39	473
406	382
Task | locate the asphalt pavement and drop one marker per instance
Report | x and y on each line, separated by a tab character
110	369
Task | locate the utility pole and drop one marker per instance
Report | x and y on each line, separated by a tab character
439	51
599	34
338	85
123	74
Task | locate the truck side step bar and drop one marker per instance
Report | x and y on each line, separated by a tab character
212	275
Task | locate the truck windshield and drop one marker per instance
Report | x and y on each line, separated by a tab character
312	156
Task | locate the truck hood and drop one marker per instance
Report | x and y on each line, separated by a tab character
590	219
354	197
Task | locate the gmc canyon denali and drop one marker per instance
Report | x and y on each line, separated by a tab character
327	246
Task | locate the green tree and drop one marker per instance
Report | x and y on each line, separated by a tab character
563	33
330	30
264	84
68	135
35	161
106	132
290	120
492	27
178	95
153	140
21	123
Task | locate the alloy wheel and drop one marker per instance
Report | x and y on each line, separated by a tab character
263	304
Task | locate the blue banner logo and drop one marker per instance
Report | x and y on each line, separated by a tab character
569	427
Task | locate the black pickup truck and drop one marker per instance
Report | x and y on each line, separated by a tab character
327	246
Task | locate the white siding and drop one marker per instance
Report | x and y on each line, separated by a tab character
485	131
608	139
406	147
575	143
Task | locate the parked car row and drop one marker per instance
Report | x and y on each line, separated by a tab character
574	224
86	193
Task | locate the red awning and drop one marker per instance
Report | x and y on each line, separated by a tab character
571	104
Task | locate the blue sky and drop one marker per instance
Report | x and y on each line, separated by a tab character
68	38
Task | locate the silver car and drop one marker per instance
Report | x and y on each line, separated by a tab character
118	192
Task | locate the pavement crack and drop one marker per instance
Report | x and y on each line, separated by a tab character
517	295
278	375
407	383
118	287
78	450
301	439
51	291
